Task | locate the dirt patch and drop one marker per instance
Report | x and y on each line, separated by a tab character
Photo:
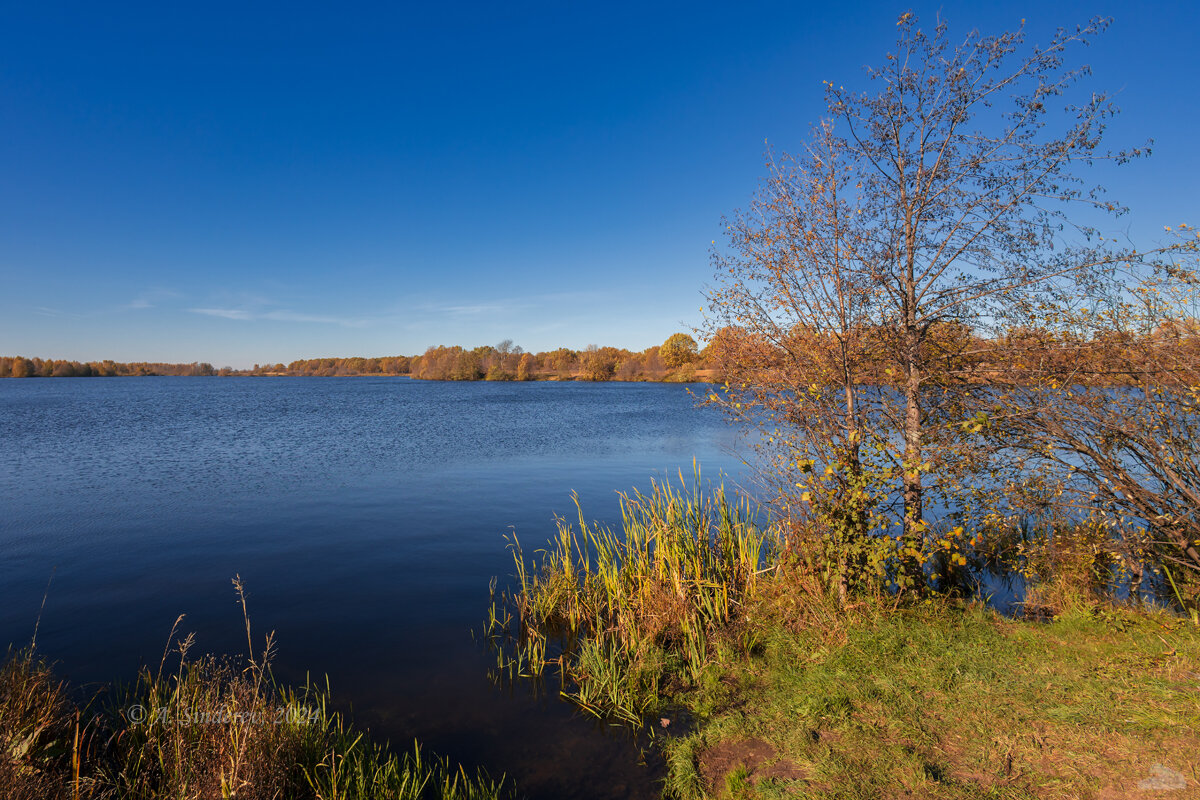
828	738
1001	770
757	758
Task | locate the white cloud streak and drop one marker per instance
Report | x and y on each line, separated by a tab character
278	315
224	313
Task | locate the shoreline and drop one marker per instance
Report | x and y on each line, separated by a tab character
952	700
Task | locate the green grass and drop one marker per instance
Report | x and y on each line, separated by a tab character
947	702
626	617
696	614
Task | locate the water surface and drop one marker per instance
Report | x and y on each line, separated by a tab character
365	515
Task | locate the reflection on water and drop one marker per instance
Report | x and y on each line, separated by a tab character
366	516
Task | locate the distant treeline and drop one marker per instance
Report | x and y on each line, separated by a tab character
1110	360
20	367
676	359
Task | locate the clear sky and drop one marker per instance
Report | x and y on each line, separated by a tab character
251	182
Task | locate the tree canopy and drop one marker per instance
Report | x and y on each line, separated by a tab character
678	349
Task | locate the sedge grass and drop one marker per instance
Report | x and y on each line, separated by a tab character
694	610
622	613
38	729
203	729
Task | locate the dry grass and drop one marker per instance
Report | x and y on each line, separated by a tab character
203	729
38	743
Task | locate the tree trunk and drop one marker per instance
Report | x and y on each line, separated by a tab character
912	333
913	454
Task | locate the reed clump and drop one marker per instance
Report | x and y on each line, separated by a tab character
205	728
629	617
209	729
680	599
38	729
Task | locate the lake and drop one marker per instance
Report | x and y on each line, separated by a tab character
365	516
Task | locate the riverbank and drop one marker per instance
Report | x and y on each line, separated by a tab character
952	702
760	680
939	701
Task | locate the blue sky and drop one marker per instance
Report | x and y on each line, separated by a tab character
241	183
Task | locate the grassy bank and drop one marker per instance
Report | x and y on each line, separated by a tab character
952	702
707	628
715	632
200	729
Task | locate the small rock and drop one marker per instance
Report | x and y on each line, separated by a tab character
1162	779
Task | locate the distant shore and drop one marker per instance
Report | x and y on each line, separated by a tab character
678	359
697	376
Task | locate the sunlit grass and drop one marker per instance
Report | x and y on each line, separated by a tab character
201	728
770	685
38	729
622	612
951	702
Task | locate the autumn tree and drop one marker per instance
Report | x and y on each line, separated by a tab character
1124	453
793	327
652	363
598	363
677	350
526	367
561	361
22	368
962	171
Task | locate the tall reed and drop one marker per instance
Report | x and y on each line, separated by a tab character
621	612
203	729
